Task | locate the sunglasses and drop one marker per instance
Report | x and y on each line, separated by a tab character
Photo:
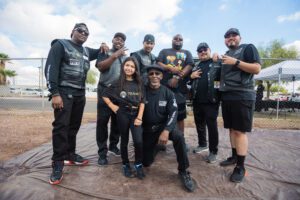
202	50
82	31
231	35
178	38
154	73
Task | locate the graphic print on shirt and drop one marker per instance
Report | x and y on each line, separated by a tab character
177	60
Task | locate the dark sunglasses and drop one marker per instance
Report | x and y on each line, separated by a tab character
231	35
202	50
154	73
82	31
178	38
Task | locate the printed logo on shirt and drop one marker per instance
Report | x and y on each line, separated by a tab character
174	103
74	62
123	94
85	57
162	103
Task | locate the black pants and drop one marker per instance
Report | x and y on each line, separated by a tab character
103	115
66	125
125	120
206	114
150	140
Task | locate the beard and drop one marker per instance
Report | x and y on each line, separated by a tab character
177	46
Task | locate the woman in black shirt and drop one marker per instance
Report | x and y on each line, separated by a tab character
125	98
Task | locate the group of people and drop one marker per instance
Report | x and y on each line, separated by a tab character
147	95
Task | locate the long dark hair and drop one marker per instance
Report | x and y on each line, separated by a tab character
136	76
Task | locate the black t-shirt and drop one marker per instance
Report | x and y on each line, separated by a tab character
53	64
179	58
202	86
250	56
129	96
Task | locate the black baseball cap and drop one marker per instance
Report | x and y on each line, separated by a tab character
121	35
156	67
232	30
149	38
202	45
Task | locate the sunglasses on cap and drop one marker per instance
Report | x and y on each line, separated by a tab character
202	50
82	31
231	35
154	73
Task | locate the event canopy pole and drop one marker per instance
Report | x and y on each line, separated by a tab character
279	83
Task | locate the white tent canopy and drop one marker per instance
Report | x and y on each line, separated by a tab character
288	70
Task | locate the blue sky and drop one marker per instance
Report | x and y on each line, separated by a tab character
28	26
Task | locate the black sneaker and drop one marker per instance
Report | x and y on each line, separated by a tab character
238	174
187	181
57	172
102	161
116	151
126	169
139	171
229	161
76	159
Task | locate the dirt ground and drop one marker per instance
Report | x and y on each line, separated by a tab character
23	130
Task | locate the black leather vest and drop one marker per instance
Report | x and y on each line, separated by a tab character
75	66
233	78
144	60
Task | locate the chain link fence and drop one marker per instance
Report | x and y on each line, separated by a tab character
278	105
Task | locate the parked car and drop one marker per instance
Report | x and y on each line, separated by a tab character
15	90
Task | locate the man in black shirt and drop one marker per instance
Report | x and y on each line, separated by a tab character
66	69
145	57
239	64
159	123
177	63
205	94
109	65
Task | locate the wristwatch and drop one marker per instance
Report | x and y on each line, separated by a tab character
237	62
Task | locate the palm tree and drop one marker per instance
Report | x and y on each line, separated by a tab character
5	72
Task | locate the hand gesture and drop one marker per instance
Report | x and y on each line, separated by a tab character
228	60
196	74
120	52
104	48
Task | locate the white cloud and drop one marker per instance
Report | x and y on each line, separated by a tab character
223	7
292	17
29	26
295	44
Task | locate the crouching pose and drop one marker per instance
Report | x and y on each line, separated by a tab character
159	123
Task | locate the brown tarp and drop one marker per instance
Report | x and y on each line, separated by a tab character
273	166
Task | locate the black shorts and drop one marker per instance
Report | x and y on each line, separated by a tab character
181	111
238	115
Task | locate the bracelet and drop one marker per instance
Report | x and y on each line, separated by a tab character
139	119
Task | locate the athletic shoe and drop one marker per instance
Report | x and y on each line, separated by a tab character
57	172
115	151
211	158
139	171
187	181
76	159
229	161
126	169
238	174
199	149
102	161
